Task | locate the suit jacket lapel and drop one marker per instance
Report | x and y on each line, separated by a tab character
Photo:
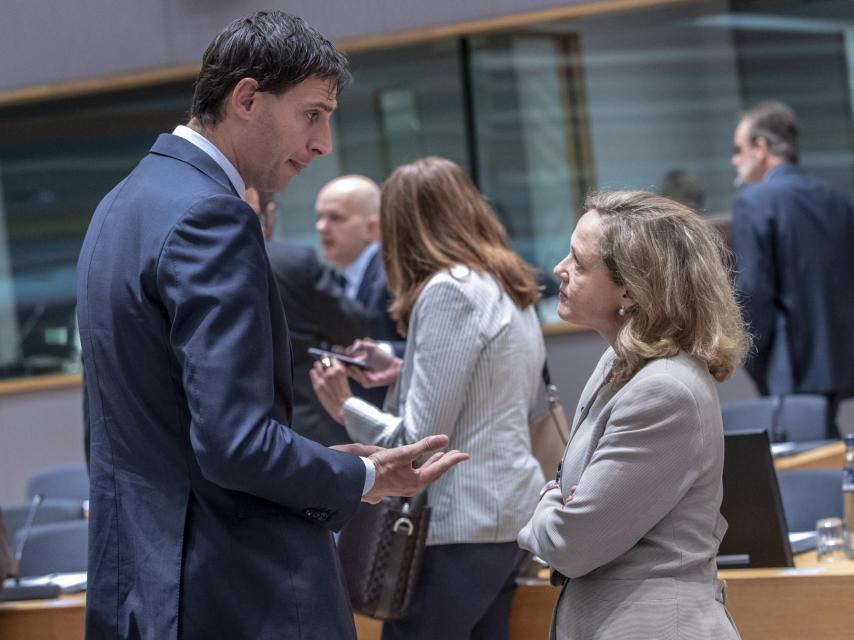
366	287
185	151
591	390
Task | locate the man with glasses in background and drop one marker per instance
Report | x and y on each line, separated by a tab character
794	244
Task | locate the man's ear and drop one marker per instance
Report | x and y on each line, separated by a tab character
374	226
243	99
761	146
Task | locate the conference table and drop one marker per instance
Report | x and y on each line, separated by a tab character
801	603
827	456
62	619
807	601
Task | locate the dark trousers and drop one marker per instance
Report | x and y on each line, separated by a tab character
463	593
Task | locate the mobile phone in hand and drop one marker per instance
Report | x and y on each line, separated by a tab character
323	353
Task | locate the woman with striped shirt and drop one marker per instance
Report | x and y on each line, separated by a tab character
471	370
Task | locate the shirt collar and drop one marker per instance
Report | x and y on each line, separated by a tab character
355	271
780	168
198	140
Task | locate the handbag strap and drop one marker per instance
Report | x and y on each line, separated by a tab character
552	395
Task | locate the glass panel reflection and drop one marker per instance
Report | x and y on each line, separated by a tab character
643	99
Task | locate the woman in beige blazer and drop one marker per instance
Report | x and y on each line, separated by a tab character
471	370
632	525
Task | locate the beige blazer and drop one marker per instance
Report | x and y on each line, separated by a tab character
639	538
471	370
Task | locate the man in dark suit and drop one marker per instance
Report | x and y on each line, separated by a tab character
348	223
7	558
209	517
319	314
793	238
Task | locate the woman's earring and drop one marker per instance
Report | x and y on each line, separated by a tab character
621	311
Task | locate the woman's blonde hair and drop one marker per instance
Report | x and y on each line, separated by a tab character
676	268
433	217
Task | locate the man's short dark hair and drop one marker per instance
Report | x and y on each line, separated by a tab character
276	49
778	124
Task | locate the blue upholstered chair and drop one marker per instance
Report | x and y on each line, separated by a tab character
809	495
58	547
67	481
50	510
800	418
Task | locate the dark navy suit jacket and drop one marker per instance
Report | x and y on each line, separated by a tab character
319	315
794	241
210	518
373	294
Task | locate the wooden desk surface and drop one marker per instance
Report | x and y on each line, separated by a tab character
829	456
806	602
61	618
810	601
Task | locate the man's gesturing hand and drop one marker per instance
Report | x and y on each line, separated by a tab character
396	475
357	448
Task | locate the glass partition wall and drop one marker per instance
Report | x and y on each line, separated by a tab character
539	115
57	160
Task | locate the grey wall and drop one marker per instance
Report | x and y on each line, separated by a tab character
48	41
572	358
38	429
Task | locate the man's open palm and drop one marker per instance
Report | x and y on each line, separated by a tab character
397	477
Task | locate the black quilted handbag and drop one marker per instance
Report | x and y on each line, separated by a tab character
381	551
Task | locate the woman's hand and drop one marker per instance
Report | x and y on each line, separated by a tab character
329	379
551	485
383	368
568	498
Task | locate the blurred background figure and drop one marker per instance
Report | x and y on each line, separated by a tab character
7	558
318	315
633	520
793	238
348	224
263	203
472	368
681	186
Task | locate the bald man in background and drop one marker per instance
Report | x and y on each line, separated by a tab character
348	223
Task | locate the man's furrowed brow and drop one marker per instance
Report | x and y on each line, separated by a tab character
323	106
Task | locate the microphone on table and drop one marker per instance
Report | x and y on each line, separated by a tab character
25	533
27	592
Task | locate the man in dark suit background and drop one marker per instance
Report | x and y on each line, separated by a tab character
209	517
319	314
794	243
7	558
348	223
